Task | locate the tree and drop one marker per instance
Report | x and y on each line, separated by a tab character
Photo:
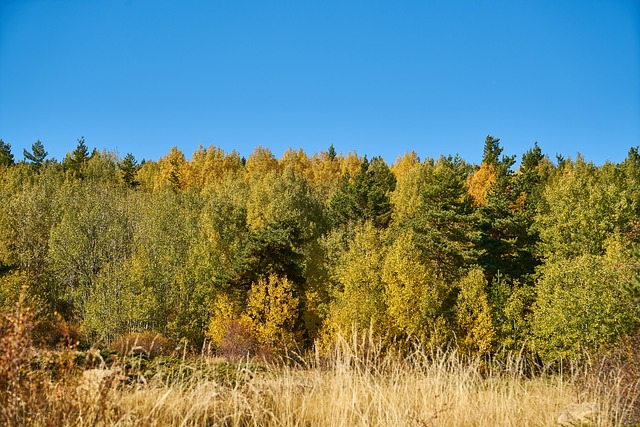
260	163
173	171
506	242
6	158
444	221
476	334
583	303
94	233
414	295
359	301
37	155
366	196
273	313
75	161
580	208
128	169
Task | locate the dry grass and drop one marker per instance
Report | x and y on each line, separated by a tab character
357	386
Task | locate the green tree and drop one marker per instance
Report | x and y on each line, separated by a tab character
359	302
6	157
37	156
581	207
366	196
582	303
414	295
128	169
444	221
94	233
76	161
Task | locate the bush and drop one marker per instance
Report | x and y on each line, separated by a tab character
237	341
615	375
148	343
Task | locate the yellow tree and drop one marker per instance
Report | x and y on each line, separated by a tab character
272	312
325	173
212	164
480	182
260	163
173	171
414	294
404	164
406	198
359	300
476	334
298	161
350	164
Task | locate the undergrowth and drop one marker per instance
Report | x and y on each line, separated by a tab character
358	384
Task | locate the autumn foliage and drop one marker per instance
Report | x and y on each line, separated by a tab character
268	255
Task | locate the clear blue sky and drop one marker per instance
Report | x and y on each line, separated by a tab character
379	77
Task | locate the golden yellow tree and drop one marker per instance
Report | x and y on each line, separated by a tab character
173	171
404	164
272	312
296	160
211	165
325	173
260	163
480	182
350	164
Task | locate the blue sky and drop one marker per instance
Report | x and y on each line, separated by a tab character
378	77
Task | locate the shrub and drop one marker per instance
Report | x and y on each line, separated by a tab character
237	341
615	375
148	343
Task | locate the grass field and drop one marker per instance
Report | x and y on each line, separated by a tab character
352	387
357	384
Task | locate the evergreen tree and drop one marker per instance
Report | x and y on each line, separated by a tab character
128	168
37	155
444	221
6	158
366	196
76	161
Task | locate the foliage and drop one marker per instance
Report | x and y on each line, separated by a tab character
476	333
6	157
306	247
37	155
582	304
272	312
359	300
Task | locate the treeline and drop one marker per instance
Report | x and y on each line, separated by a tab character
265	254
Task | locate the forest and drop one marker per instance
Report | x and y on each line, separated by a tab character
260	256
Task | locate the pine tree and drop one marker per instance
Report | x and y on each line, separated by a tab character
37	155
128	168
6	158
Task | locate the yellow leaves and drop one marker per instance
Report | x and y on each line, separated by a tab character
212	165
413	293
272	312
476	332
325	171
406	197
360	303
296	160
173	171
351	164
480	182
260	163
404	164
224	312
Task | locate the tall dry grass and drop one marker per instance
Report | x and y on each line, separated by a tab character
358	385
